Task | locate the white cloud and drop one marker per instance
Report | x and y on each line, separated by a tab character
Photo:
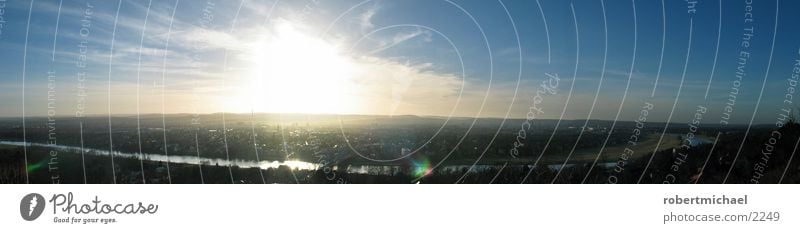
394	88
200	38
400	38
365	19
293	71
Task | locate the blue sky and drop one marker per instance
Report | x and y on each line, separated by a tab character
398	57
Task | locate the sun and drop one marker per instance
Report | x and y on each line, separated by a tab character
294	72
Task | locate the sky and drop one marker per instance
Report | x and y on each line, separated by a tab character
468	58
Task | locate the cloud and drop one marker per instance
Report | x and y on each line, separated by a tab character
395	88
201	39
365	18
290	70
375	84
400	38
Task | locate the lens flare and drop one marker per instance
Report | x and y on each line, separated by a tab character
421	168
36	166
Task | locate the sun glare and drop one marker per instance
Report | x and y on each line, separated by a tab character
293	72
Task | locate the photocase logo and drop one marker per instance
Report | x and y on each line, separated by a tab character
31	206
